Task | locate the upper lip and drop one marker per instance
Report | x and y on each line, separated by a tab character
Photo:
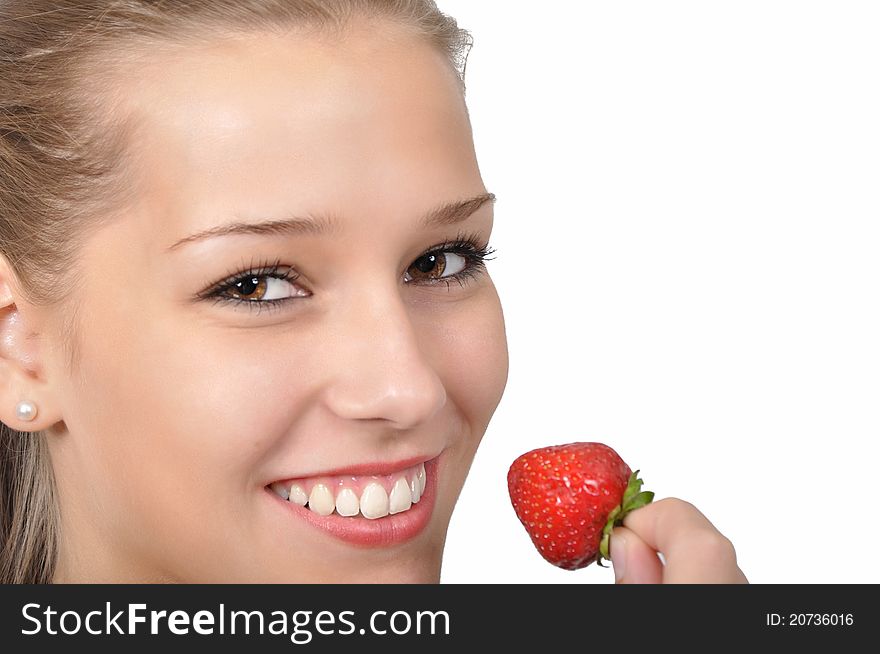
373	468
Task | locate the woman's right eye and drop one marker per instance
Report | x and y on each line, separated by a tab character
262	288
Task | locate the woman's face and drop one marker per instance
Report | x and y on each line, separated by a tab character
205	376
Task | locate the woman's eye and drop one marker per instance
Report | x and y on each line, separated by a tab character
433	266
269	288
261	288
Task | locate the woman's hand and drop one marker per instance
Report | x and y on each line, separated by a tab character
695	552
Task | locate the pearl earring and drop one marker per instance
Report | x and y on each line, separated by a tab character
26	410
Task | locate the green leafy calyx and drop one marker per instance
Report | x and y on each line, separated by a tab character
632	500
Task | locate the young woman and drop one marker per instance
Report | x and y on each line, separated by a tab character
247	330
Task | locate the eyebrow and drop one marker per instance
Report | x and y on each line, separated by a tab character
449	213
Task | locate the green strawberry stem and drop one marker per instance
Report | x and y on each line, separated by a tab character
632	500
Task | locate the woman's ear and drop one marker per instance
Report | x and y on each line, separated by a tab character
22	370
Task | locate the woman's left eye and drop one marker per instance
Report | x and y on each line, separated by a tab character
436	266
458	260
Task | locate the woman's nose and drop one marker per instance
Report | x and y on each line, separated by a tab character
379	367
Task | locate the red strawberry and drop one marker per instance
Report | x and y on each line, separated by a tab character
570	497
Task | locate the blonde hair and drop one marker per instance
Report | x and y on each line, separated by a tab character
62	168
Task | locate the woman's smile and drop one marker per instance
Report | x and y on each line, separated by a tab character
364	509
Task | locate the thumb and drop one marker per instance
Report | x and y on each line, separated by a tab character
634	561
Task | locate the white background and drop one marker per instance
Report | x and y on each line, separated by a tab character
687	233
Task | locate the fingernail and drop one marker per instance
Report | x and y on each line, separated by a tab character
618	554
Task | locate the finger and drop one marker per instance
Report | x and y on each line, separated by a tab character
695	551
634	562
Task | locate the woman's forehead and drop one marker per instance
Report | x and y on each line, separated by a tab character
263	129
271	92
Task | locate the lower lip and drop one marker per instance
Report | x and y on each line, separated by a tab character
380	532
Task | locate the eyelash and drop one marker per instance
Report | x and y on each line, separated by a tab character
464	245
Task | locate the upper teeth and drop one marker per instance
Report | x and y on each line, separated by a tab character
374	501
321	500
401	497
379	496
347	502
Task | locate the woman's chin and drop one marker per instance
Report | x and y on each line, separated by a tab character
417	566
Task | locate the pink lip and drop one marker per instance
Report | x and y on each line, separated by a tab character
381	532
378	468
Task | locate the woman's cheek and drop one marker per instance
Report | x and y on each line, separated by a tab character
231	398
476	363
